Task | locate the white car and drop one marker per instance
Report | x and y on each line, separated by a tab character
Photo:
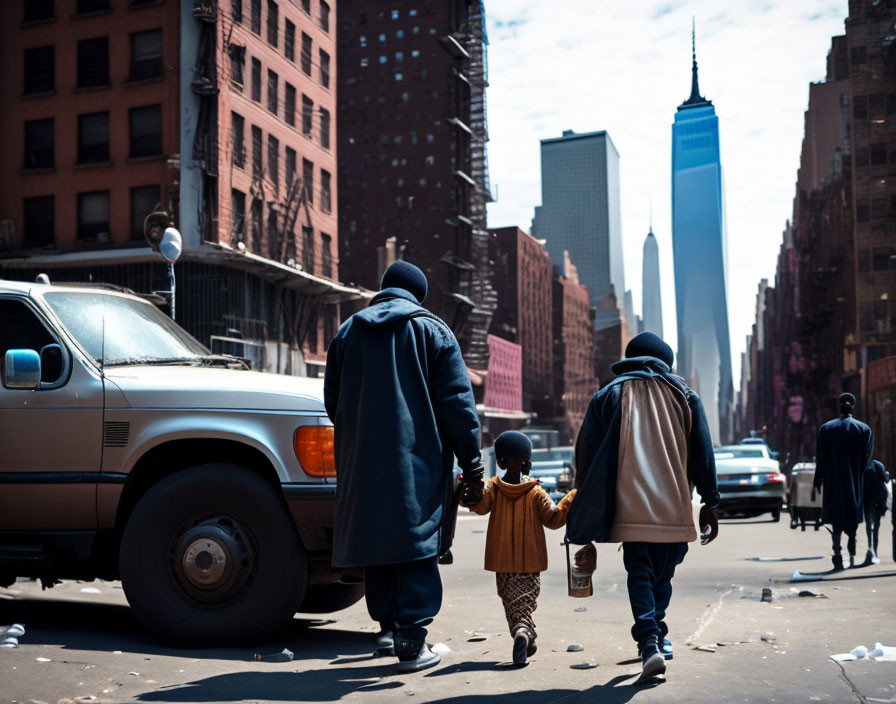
750	481
131	452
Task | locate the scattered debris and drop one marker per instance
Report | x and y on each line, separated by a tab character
767	594
42	660
798	576
117	652
706	648
440	648
476	637
810	593
734	642
86	698
16	630
860	651
284	655
580	609
587	665
135	674
843	657
575	648
90	590
769	638
883	653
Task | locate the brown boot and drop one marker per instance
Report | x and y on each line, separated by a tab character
520	646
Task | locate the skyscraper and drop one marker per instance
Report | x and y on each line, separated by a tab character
700	251
651	305
580	211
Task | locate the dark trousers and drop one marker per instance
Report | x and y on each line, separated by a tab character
404	598
837	536
873	516
650	568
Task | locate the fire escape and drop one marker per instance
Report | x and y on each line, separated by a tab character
205	142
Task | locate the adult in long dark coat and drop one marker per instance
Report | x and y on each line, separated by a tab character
399	395
843	453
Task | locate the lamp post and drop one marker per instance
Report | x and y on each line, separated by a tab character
168	243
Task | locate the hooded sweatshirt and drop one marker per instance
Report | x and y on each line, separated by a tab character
519	513
399	396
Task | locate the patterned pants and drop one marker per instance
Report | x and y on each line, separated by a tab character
519	592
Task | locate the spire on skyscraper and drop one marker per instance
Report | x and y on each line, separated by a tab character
696	98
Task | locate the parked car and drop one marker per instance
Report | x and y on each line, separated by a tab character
131	452
750	481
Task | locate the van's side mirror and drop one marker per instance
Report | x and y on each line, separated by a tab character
21	369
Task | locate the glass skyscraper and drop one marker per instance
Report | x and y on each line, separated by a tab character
700	252
581	211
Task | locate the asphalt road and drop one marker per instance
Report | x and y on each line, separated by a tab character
95	647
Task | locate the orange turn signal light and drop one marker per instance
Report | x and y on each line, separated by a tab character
315	450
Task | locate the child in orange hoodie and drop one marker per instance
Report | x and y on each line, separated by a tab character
515	548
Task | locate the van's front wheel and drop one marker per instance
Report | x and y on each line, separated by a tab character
210	554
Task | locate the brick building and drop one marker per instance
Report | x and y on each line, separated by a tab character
828	324
222	114
523	275
412	160
574	380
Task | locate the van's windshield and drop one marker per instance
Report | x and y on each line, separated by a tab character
115	330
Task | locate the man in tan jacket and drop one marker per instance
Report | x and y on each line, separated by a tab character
643	446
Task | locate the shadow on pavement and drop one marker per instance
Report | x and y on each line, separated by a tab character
332	685
783	559
79	625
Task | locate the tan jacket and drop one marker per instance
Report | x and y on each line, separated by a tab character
653	490
519	513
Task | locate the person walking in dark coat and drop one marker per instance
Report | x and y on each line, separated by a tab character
874	497
399	395
843	453
643	445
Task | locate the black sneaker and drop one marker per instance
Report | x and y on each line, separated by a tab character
424	659
838	562
385	643
653	663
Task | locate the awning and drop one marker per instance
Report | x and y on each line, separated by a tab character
487	412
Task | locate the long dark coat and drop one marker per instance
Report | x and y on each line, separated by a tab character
843	453
399	395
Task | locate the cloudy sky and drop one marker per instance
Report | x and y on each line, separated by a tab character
624	67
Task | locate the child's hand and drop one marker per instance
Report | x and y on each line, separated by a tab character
472	495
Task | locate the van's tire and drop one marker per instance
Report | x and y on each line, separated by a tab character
211	555
327	598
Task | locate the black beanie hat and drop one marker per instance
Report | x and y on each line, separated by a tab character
649	345
513	443
847	398
406	276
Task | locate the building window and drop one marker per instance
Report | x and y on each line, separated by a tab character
878	154
93	62
39	144
237	63
325	128
257	166
326	267
289	105
881	258
146	131
237	127
273	21
93	216
290	167
255	18
40	70
860	107
83	7
37	10
274	159
860	157
273	227
236	10
308	249
237	211
257	226
306	54
272	91
39	222
307	112
324	16
306	6
324	69
256	80
325	203
879	208
289	41
862	211
93	138
143	201
146	55
308	179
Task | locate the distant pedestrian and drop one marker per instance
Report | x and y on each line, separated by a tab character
642	446
875	495
515	547
843	453
399	396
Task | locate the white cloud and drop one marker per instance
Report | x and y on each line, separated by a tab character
624	67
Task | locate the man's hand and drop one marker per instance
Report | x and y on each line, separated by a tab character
471	494
709	525
586	558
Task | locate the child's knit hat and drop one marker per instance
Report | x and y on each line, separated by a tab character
513	443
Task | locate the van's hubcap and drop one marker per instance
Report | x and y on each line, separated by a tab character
213	561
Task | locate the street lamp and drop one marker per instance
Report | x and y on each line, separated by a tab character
167	241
